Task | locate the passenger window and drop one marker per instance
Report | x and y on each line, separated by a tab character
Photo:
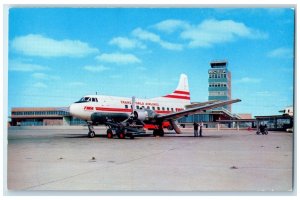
153	108
148	107
137	107
126	106
172	109
163	108
168	109
158	108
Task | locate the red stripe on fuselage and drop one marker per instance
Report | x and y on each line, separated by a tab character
113	109
127	110
177	97
181	92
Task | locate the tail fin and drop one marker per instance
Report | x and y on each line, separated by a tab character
182	91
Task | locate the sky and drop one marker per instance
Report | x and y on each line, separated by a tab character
58	55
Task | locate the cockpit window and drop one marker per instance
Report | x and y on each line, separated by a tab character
86	99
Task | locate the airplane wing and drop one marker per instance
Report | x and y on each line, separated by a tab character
176	115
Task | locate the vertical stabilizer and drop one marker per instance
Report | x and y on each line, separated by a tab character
182	92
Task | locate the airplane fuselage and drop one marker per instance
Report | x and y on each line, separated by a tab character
111	104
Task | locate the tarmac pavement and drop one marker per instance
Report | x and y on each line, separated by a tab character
221	161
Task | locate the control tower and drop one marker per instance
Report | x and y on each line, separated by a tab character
219	82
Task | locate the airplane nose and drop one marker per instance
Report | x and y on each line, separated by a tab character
71	109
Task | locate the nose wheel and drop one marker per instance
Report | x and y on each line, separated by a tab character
91	133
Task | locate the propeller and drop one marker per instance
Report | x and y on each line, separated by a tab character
133	107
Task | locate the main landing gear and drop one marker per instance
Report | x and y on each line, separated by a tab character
91	133
119	129
159	131
119	132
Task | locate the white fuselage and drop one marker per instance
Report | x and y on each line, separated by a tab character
173	102
112	104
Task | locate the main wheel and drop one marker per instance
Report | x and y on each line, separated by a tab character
155	132
131	137
161	133
109	133
91	134
122	135
158	132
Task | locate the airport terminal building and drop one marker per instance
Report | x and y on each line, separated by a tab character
44	116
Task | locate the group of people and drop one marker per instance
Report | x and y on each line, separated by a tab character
196	127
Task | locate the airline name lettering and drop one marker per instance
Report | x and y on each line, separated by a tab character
140	103
88	108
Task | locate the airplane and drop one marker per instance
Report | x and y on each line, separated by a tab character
129	116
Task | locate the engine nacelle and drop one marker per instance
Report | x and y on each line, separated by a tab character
144	114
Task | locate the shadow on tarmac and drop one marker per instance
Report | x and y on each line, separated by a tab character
149	135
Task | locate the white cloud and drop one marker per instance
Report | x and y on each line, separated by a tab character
171	25
118	58
126	43
145	35
281	53
171	46
98	68
248	80
40	85
25	67
38	45
43	76
148	36
212	31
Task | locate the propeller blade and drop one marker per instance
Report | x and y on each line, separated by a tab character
133	105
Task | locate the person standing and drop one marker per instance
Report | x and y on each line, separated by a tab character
195	129
200	131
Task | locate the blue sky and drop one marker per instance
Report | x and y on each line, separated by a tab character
57	55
